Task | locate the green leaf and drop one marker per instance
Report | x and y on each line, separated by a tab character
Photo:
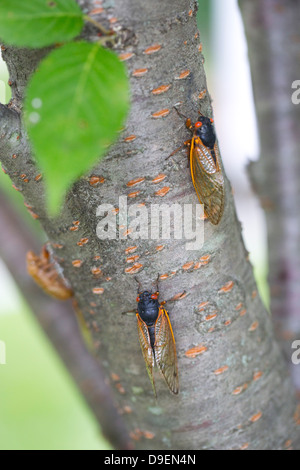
76	103
39	23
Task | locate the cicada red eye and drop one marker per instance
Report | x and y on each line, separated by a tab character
138	299
198	124
154	296
212	121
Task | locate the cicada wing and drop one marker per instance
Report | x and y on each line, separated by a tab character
165	350
208	179
146	348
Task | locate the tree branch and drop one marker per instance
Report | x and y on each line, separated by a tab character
272	30
59	323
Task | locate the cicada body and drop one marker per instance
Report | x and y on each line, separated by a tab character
157	339
206	169
44	273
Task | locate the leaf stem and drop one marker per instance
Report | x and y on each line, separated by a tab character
104	31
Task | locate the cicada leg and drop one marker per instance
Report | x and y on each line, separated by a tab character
187	143
156	285
139	284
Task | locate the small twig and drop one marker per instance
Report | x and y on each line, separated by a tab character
104	31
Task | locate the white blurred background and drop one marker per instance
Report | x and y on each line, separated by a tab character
229	82
10	299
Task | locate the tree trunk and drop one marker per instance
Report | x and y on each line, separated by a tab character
234	387
272	30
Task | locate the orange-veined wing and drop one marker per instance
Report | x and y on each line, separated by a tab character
208	179
147	351
165	350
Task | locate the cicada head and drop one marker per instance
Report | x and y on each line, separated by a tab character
146	297
205	130
148	306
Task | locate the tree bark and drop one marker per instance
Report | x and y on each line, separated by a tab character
234	387
272	29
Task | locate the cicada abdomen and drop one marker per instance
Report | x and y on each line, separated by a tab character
44	273
156	339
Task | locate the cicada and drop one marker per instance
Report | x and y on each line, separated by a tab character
206	168
157	339
205	165
45	274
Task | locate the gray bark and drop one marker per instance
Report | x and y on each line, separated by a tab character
272	30
237	393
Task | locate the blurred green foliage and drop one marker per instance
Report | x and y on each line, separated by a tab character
204	20
40	407
17	200
39	23
261	276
